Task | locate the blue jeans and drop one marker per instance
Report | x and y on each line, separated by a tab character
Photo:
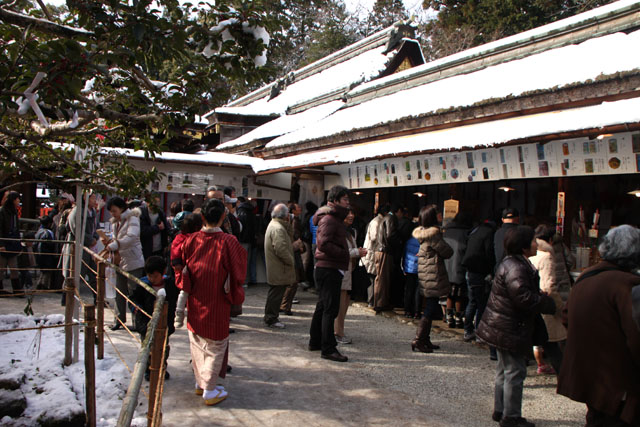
252	258
510	374
478	297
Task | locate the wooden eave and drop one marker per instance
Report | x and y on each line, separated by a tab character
240	120
605	89
409	49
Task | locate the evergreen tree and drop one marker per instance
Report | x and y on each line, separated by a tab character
384	14
336	29
462	24
119	74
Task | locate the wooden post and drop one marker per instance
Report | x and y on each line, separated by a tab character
69	302
90	364
100	283
154	368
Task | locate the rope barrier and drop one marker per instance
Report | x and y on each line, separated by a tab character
79	298
127	329
14	239
35	268
89	268
131	302
88	285
32	292
34	253
160	390
122	359
43	327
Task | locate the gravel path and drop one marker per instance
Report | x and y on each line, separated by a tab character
277	381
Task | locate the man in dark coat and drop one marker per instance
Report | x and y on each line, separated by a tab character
510	219
153	230
247	238
601	364
388	256
332	260
479	261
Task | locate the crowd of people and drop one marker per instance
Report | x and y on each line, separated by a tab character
506	286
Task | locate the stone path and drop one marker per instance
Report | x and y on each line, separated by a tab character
277	381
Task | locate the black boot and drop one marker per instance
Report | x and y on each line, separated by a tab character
431	345
450	318
422	337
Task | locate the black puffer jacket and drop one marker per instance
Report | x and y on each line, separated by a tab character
515	299
249	224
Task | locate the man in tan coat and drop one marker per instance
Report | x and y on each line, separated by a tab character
278	253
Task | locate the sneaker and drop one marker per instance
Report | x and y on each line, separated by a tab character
198	390
469	336
215	396
545	370
295	301
277	325
343	339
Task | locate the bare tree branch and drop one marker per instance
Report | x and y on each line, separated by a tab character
45	10
25	21
114	115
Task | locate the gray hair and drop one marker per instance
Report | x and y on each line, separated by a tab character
280	211
621	246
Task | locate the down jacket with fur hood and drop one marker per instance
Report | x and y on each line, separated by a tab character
515	299
432	273
126	235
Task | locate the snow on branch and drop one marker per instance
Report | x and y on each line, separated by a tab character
24	21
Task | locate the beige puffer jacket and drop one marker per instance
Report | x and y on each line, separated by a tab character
127	240
432	273
545	262
370	243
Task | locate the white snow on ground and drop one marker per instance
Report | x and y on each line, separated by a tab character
547	70
482	134
360	68
51	387
285	124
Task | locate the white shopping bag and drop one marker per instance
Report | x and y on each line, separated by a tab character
110	283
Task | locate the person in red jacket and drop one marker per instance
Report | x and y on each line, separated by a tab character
216	265
332	261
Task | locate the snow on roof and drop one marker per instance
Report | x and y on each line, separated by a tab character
285	124
530	35
547	70
482	134
361	68
208	157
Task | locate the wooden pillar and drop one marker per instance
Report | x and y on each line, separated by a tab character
69	303
100	282
154	368
90	364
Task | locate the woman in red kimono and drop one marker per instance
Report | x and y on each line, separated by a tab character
216	266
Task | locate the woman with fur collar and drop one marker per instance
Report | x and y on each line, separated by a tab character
432	274
550	276
125	241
